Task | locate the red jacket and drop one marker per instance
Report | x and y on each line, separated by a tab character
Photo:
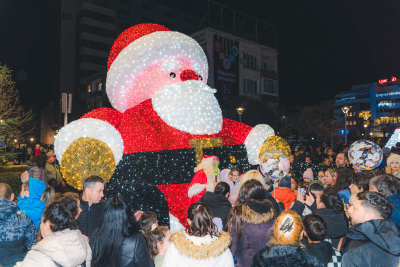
284	195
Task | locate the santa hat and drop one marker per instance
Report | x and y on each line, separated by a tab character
141	47
209	159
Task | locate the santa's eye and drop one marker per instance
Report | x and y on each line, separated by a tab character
172	75
200	78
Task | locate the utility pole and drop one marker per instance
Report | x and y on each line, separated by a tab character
66	104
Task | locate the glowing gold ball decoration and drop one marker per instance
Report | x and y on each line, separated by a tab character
275	143
85	157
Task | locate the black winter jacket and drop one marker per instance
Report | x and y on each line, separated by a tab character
337	224
135	253
219	206
372	243
90	217
284	256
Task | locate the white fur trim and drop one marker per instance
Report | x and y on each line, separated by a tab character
195	189
207	160
93	128
210	187
255	140
175	225
145	52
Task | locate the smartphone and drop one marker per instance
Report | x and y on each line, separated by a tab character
303	191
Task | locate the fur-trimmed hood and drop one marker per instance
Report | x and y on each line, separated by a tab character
257	213
280	256
201	248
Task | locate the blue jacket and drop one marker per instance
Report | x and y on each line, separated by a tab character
345	195
32	206
395	200
17	234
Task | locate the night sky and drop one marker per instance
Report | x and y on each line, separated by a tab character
324	46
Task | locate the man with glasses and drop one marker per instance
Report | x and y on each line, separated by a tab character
52	171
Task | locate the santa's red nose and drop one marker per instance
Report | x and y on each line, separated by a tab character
189	75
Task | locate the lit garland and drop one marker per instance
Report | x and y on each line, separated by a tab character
275	143
84	157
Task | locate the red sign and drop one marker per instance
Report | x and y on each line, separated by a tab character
382	81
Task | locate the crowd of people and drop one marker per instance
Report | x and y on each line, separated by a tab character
339	217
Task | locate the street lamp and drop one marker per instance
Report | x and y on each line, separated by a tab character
15	140
240	111
365	115
345	109
31	139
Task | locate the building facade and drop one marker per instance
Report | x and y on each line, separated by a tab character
380	101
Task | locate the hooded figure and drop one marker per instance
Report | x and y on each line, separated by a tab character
372	243
17	234
283	193
32	206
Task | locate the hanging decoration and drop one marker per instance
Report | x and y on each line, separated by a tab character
274	164
365	155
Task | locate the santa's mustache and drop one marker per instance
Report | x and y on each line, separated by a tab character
190	85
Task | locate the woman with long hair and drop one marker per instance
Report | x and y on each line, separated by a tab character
62	243
330	207
343	182
284	248
249	222
218	203
201	245
117	242
47	195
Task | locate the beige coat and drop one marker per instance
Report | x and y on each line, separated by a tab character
68	248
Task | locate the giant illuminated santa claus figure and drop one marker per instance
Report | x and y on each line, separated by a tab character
164	116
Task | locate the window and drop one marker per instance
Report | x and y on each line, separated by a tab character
249	61
354	122
99	87
89	88
347	122
250	86
268	64
270	86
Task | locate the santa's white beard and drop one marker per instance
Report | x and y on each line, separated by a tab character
189	106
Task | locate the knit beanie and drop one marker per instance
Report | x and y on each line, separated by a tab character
308	174
285	182
315	182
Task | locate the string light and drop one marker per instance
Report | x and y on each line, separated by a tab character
299	168
84	157
89	127
393	139
156	82
255	140
275	143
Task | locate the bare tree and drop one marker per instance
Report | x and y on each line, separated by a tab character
16	122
